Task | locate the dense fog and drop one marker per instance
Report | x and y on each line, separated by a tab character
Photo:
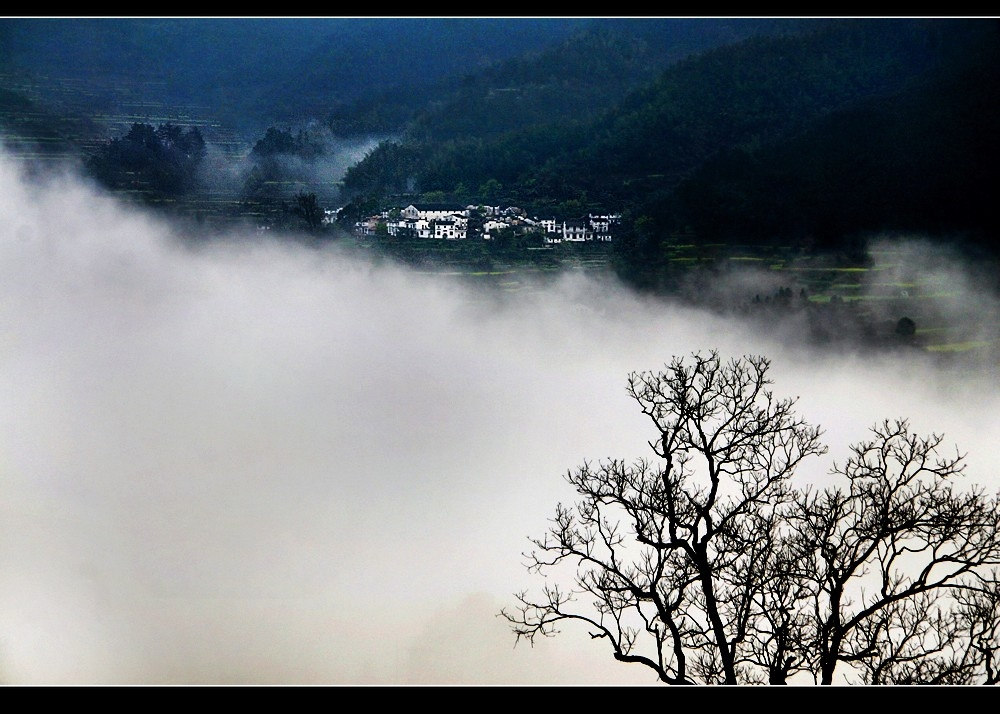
243	461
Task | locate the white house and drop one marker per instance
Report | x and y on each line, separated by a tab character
434	211
575	230
491	227
449	229
602	226
451	222
418	228
367	227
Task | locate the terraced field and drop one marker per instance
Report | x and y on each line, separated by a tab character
889	285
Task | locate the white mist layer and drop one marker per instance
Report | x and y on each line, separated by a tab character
259	462
227	174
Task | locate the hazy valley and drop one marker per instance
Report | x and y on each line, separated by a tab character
240	445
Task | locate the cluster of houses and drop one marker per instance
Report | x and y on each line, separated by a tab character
452	222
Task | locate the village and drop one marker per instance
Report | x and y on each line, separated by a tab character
446	221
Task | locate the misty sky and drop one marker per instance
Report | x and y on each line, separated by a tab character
257	462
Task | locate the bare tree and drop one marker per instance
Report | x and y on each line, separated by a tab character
893	556
688	573
708	566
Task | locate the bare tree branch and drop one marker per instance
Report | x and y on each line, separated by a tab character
709	566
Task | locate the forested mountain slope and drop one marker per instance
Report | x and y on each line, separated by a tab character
708	145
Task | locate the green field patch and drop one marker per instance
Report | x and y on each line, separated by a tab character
832	270
932	330
869	298
959	346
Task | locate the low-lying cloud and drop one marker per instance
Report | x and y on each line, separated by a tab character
256	462
226	174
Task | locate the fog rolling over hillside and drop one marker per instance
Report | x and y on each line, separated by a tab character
257	462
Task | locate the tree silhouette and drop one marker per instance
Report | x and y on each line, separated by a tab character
155	162
308	209
906	327
708	565
882	559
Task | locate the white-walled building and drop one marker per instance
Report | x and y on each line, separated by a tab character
575	230
492	227
417	228
603	226
367	227
451	222
593	227
434	211
449	229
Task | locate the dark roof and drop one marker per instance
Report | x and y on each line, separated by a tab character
438	206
